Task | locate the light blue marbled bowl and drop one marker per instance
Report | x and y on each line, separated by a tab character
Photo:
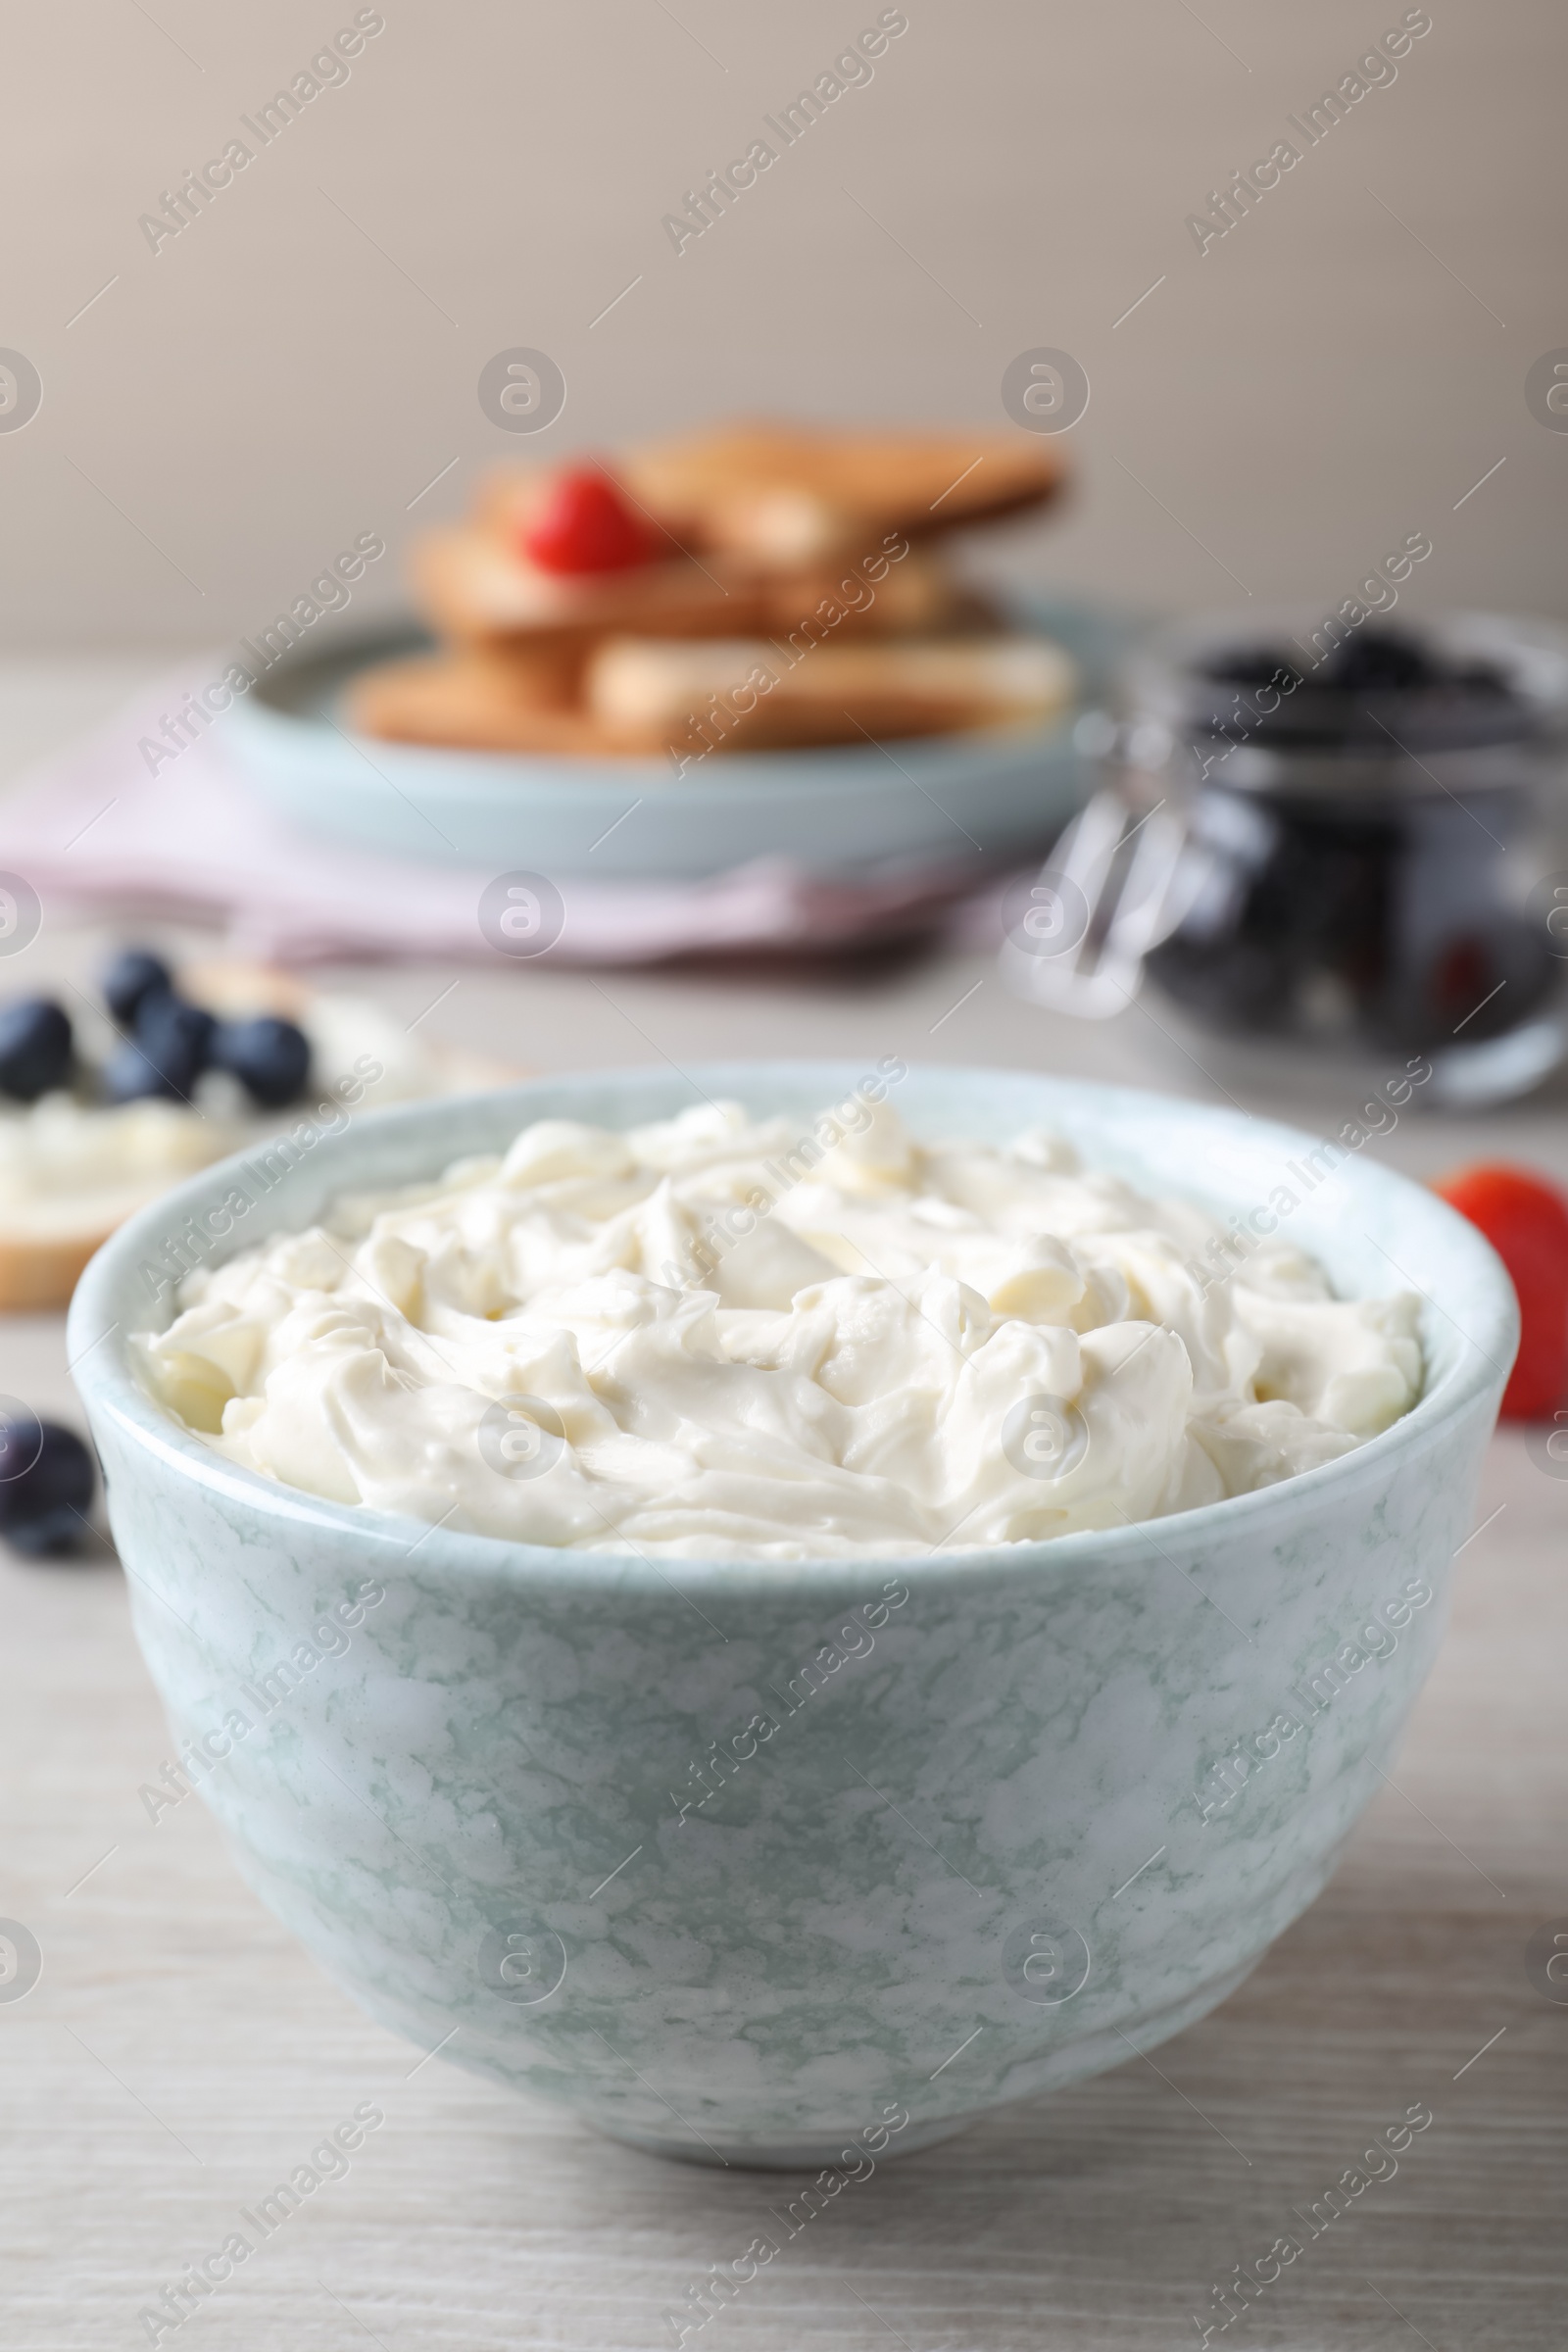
993	1841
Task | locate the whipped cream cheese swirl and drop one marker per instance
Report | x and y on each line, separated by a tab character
711	1339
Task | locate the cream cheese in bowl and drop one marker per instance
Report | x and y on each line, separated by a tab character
711	1337
725	1818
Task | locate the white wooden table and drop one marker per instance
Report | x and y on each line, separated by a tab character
179	2053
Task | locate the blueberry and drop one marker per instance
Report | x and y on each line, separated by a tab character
1380	661
271	1058
34	1048
134	974
46	1484
169	1023
1251	666
127	1076
20	1444
169	1053
52	1535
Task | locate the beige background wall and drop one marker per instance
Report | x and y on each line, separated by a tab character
293	368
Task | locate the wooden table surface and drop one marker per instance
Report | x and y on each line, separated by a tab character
179	2053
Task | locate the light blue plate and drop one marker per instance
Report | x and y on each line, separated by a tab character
837	812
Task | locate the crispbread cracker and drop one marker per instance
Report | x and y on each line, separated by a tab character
470	703
788	494
746	697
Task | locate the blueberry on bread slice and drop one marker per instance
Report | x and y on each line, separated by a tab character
181	1071
86	1142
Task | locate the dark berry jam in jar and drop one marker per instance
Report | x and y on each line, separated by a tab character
1354	839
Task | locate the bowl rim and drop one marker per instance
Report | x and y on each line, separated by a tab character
109	1386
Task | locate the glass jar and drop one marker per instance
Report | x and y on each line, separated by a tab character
1357	844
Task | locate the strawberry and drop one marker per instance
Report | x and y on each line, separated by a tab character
1525	1218
586	525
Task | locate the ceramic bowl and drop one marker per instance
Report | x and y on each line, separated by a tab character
1020	1811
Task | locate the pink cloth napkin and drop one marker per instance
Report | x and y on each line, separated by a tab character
93	832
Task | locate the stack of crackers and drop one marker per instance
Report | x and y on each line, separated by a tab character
747	589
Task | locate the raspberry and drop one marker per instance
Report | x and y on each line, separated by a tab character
586	526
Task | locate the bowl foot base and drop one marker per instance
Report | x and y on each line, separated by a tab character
808	2154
